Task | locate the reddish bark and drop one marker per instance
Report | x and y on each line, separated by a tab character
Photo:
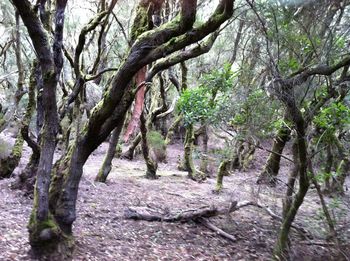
138	107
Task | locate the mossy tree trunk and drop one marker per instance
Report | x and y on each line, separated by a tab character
112	147
116	102
272	166
281	250
222	171
26	178
328	168
8	164
43	232
151	172
204	158
188	155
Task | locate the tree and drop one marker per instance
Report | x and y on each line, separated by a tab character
54	212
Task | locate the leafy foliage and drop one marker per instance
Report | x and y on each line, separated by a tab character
204	103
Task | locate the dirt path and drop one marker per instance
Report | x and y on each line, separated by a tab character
102	233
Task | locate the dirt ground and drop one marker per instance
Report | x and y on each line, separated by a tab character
102	232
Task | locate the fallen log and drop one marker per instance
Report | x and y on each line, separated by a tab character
149	214
200	214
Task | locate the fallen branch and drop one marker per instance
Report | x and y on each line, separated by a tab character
149	214
199	214
219	231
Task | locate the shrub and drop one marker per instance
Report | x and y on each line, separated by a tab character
158	145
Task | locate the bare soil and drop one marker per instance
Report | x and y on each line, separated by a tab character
102	232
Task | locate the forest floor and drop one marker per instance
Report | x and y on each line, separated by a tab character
102	232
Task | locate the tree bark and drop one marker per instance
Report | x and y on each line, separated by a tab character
222	171
281	248
204	158
112	147
43	233
138	107
272	166
26	179
151	165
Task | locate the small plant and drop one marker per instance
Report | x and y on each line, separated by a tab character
158	145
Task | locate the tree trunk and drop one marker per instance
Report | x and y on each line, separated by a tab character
281	248
188	157
223	170
129	154
328	168
43	232
151	172
27	177
139	101
172	128
288	199
271	169
112	147
204	159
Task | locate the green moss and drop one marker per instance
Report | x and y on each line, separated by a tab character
141	23
18	147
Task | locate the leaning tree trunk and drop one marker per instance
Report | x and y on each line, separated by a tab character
129	154
107	162
139	101
272	165
281	248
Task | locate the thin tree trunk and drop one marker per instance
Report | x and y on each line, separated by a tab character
291	180
204	159
328	168
112	147
172	128
129	154
27	177
282	247
151	172
222	171
272	165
